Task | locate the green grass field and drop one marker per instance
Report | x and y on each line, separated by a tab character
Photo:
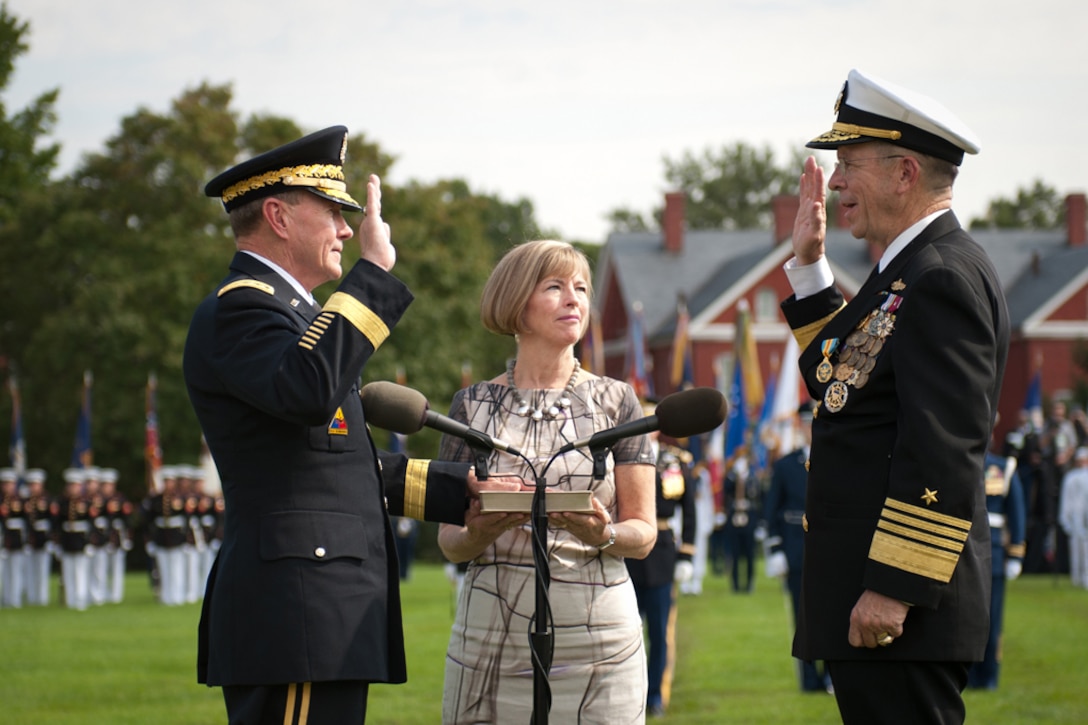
135	662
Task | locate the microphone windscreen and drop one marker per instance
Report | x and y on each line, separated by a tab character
393	407
691	412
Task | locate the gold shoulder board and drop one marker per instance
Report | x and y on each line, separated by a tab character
254	283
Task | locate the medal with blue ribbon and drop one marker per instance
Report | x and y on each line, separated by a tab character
825	368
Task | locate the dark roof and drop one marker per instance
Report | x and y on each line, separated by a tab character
713	261
650	275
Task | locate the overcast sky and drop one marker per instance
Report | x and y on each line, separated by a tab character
573	104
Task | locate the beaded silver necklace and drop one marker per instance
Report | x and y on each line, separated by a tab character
549	412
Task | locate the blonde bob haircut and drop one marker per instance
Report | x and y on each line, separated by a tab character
515	277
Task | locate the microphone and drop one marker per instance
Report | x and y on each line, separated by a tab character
679	415
404	410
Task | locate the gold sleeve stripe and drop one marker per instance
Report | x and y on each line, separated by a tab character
913	557
360	316
415	488
1016	551
805	335
945	532
919	536
687	549
250	283
316	330
919	512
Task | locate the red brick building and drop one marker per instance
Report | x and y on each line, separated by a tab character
1044	275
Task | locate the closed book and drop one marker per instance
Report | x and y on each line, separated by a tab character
521	501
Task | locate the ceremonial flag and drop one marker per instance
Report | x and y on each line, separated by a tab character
1034	398
682	375
593	347
82	453
152	448
787	397
17	449
736	425
746	347
763	441
638	375
715	446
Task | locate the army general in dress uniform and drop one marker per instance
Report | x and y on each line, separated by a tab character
896	581
302	607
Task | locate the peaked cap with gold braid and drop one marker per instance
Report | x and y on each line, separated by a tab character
314	163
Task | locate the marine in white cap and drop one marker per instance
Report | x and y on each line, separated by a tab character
42	510
896	573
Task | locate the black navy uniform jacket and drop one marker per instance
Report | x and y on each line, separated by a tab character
895	502
305	585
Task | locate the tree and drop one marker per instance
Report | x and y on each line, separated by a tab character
730	188
123	249
1037	207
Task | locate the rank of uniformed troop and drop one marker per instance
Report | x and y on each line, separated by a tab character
89	530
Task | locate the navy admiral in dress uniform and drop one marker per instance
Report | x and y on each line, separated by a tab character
302	607
896	581
784	511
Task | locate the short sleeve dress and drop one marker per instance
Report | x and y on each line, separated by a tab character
598	672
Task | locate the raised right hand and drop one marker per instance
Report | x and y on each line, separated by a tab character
810	226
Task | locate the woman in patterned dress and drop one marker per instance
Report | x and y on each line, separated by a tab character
540	294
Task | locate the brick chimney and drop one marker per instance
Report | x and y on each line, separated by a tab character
784	209
1076	206
672	221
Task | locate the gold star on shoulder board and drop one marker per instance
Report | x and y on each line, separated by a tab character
929	497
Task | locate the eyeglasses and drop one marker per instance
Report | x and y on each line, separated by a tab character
845	166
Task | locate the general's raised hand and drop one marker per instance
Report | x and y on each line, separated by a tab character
375	240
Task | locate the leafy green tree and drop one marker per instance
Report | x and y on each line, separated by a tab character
1037	207
122	249
114	258
728	188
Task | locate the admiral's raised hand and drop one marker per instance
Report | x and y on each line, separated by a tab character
375	243
810	226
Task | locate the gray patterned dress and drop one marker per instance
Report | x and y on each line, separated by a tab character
598	673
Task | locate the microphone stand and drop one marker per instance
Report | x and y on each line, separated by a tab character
542	632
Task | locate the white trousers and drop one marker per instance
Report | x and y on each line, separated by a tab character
171	575
99	568
115	591
13	579
1078	559
38	568
76	572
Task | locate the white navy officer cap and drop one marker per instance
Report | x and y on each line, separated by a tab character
8	474
35	475
108	475
73	475
872	109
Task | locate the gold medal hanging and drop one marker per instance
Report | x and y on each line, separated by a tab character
825	368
